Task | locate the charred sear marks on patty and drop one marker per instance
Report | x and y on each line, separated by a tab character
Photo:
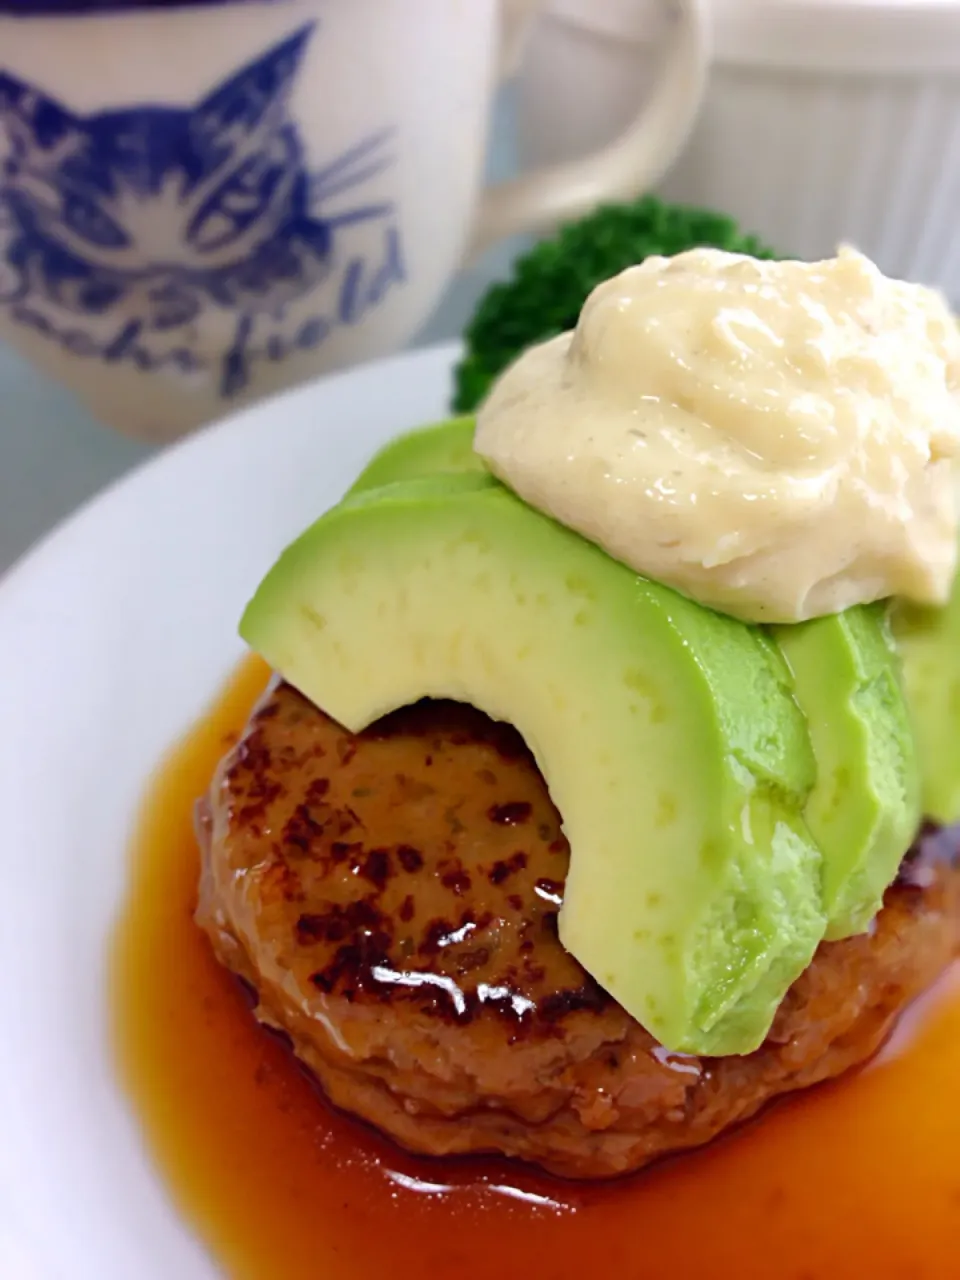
408	848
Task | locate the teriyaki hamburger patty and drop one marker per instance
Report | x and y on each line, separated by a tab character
392	896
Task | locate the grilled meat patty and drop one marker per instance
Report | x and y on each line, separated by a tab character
393	898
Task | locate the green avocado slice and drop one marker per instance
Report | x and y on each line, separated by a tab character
444	448
666	733
864	810
929	643
845	674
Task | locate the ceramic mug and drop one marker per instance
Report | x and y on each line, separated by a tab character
201	203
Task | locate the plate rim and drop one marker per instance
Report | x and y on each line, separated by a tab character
24	1254
446	352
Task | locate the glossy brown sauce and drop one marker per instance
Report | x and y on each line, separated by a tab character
859	1178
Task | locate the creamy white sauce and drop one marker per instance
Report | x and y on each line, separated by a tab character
778	440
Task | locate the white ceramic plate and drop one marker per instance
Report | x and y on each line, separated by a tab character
114	635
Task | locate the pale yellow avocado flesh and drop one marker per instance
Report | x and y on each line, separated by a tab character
667	734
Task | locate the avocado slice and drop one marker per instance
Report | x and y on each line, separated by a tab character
845	673
864	810
445	447
666	733
928	640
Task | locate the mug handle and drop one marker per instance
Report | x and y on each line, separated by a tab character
634	161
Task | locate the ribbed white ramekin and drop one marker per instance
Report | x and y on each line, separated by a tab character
824	121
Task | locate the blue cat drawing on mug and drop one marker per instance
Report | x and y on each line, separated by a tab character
120	230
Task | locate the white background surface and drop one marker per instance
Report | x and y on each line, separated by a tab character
53	455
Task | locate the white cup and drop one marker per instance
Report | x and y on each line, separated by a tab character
201	204
823	120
